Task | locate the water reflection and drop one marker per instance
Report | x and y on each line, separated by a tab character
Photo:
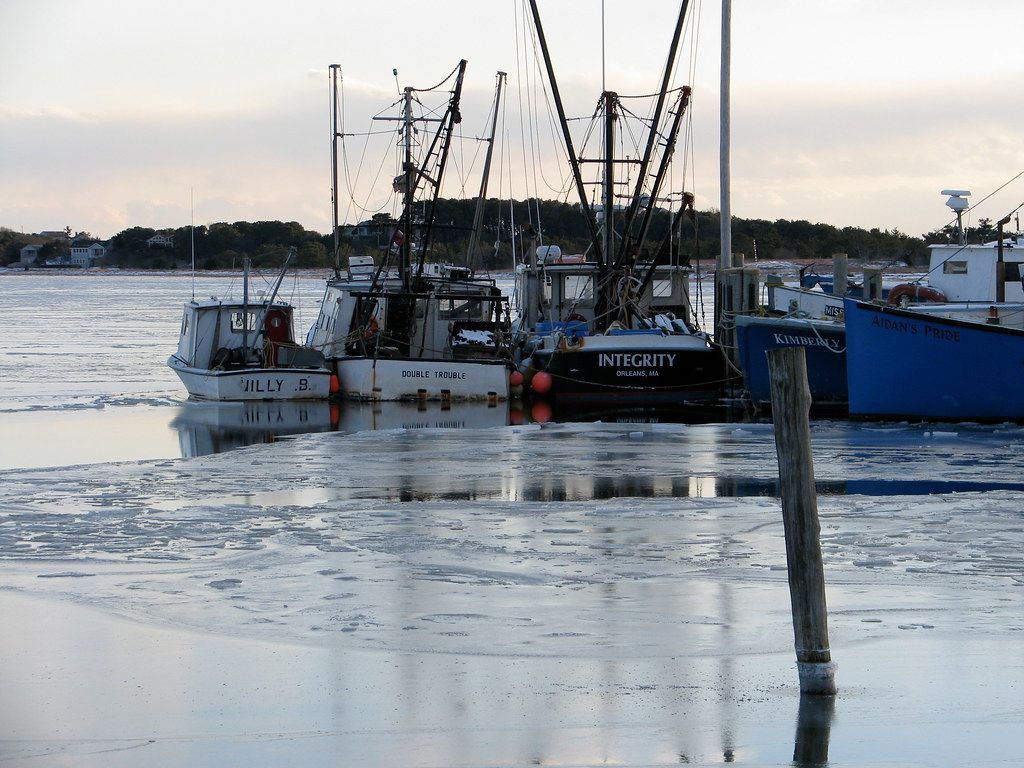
813	730
209	427
359	417
638	412
205	428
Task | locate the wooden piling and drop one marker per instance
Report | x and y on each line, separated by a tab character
840	274
791	403
872	284
736	294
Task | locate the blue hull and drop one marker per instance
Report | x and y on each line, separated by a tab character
905	364
823	341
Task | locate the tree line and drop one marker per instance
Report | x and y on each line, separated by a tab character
508	229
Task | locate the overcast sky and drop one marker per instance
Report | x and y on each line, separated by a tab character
849	112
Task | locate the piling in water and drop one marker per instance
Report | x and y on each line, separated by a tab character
791	403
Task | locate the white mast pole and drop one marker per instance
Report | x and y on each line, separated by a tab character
725	257
335	68
192	235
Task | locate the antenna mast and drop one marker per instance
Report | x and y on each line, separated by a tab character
335	68
192	235
478	216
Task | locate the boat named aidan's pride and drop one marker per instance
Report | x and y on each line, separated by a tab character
926	363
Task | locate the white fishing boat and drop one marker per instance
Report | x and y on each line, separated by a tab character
239	350
405	329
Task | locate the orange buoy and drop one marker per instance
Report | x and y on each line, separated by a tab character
335	386
541	383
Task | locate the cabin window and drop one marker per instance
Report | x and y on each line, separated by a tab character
243	321
460	309
576	287
662	289
184	325
954	267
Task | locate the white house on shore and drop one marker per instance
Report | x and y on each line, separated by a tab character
160	241
85	253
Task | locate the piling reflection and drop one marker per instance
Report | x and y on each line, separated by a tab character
813	729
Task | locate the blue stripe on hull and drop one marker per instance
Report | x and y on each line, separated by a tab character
823	343
904	364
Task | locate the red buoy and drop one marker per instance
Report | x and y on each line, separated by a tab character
541	412
515	379
335	384
542	382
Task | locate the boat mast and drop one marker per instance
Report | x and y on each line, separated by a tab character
652	137
245	309
192	236
335	68
478	216
610	100
570	151
725	257
444	133
405	248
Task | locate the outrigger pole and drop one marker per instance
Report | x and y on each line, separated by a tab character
652	137
573	160
451	118
478	216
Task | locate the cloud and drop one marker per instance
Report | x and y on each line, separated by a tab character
843	155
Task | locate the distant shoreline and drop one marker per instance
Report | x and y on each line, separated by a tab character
318	272
786	268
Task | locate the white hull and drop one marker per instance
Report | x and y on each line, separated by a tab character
808	302
254	383
389	379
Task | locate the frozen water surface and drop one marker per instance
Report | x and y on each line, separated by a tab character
558	594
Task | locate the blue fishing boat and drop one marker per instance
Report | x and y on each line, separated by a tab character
925	363
823	341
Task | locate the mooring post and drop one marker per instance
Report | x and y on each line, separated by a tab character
840	274
872	289
791	404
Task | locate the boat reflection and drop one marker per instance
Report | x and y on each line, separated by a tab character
206	427
360	417
636	412
215	427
